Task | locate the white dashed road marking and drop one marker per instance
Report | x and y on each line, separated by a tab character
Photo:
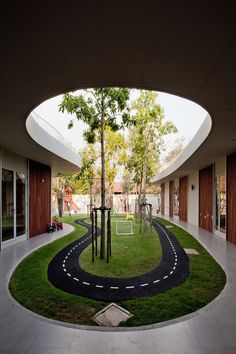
85	283
126	287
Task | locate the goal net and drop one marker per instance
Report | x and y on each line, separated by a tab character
124	228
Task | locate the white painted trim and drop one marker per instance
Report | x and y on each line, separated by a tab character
47	141
193	145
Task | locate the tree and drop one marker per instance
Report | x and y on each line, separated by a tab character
175	151
116	156
99	108
127	186
150	129
59	185
87	172
135	164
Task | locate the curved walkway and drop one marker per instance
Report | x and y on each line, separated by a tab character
208	331
65	273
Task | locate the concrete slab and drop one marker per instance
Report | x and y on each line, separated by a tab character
112	315
191	251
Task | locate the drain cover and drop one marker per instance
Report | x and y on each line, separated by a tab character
191	251
112	315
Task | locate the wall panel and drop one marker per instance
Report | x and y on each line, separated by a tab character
206	198
39	198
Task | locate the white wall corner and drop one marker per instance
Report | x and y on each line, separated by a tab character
193	198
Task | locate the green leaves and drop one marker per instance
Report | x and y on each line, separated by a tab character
89	136
89	108
147	135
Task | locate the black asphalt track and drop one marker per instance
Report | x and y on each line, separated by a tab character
65	273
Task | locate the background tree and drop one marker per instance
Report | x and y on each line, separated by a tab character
87	173
115	153
135	163
150	129
99	108
175	151
116	156
127	186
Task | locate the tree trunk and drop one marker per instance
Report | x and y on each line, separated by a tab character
127	198
103	196
139	201
60	202
90	200
144	189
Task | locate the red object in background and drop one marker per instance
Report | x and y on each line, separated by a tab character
68	198
69	204
68	190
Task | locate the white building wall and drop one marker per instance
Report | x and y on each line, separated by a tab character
220	166
13	162
193	198
82	202
167	199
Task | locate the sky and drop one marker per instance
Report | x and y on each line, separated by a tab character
186	115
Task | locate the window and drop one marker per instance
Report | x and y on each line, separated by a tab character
13	204
221	203
176	201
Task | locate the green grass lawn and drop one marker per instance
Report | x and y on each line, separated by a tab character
30	287
132	255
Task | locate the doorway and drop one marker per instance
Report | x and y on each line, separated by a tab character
13	204
220	216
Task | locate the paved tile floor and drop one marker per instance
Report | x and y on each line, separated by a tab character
210	330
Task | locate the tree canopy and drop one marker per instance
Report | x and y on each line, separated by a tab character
94	103
147	139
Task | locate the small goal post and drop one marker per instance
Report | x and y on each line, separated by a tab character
124	228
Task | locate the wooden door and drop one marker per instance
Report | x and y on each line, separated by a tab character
183	185
162	199
171	199
231	198
206	198
39	198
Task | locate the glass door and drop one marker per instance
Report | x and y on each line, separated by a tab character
7	205
176	201
221	204
20	204
13	204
